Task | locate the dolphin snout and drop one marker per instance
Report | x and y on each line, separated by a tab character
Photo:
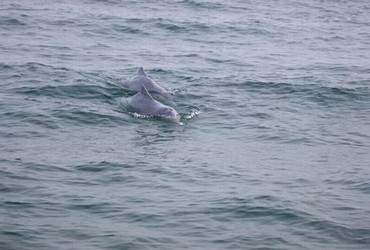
174	113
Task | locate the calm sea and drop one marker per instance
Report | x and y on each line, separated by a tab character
274	147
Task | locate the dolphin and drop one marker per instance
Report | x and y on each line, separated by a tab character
144	104
141	79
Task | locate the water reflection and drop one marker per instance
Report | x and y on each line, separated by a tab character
159	140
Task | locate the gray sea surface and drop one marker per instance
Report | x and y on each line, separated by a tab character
273	149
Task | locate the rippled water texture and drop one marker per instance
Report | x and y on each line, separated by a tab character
272	153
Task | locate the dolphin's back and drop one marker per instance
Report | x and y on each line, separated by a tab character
141	79
143	103
137	81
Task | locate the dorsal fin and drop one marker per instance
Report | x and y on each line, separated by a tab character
141	71
145	92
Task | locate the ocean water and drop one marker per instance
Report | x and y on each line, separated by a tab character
274	147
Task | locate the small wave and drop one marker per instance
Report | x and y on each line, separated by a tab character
156	117
179	91
193	112
5	66
126	29
61	82
189	55
170	26
112	2
361	184
64	22
35	118
80	115
77	91
298	221
203	5
320	94
183	27
100	166
332	95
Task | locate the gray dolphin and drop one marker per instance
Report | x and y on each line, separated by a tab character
144	104
141	79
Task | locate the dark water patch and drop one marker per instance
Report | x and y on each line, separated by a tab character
102	166
254	242
284	137
183	27
259	116
23	134
219	60
149	218
170	26
100	207
327	96
43	167
34	79
43	73
28	117
62	23
157	242
18	205
360	184
199	5
5	67
230	209
339	232
113	30
363	187
278	88
160	71
193	55
109	2
35	66
34	72
11	189
34	177
85	116
126	29
11	233
162	76
295	219
57	48
330	96
136	20
11	22
76	91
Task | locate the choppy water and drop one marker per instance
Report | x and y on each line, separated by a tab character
273	152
